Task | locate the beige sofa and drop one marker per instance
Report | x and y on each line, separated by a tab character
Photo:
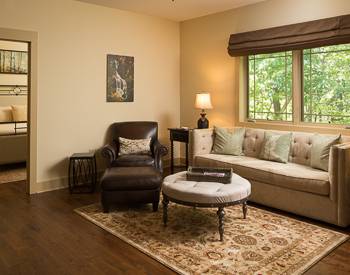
295	186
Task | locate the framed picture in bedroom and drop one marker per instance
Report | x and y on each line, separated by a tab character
13	62
120	78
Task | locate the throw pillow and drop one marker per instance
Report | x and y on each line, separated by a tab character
320	148
6	114
228	142
19	112
276	147
134	146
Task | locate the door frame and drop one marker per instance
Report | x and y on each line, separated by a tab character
32	99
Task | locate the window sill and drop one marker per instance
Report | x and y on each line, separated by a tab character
290	126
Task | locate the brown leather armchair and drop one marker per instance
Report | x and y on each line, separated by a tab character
135	130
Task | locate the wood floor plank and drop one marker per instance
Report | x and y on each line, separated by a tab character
42	234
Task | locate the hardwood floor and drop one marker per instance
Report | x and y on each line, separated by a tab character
42	235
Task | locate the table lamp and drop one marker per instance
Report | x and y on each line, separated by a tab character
203	102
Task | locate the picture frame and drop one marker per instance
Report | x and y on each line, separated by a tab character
120	78
13	62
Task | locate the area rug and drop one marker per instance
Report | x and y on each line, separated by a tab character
264	243
12	174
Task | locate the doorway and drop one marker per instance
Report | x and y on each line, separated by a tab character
28	90
14	80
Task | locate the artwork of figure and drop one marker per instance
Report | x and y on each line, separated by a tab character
120	78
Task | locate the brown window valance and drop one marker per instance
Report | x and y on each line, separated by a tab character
330	31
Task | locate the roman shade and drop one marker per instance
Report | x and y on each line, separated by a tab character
323	32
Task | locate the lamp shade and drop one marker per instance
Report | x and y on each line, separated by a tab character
203	101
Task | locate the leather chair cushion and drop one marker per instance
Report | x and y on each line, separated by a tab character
133	160
130	178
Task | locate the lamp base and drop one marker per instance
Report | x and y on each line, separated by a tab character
203	122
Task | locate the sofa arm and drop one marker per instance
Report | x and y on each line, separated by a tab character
200	142
159	152
339	173
109	152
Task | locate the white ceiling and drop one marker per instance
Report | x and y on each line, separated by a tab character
177	10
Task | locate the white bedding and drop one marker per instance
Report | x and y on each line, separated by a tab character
9	129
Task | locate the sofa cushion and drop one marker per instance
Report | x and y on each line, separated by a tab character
320	149
288	175
228	141
276	147
134	160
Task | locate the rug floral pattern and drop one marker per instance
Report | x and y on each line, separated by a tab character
264	243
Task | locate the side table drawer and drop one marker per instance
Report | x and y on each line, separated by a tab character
179	136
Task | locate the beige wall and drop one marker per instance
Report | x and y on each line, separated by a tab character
73	40
205	64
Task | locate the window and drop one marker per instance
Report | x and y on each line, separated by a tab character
326	81
323	86
270	86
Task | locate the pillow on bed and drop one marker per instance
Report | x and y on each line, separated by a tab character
6	114
19	112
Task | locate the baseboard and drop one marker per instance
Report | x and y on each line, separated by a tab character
62	183
51	185
56	184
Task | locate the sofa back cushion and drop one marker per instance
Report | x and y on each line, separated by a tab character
300	151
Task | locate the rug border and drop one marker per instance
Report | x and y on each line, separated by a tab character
319	257
301	270
128	241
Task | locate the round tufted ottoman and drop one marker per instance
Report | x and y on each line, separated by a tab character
177	189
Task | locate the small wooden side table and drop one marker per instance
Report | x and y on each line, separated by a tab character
82	173
180	135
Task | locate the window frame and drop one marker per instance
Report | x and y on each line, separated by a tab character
247	94
297	122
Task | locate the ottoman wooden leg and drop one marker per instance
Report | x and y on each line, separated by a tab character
105	208
165	209
221	214
155	206
245	208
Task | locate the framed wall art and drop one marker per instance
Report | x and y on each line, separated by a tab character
13	62
120	78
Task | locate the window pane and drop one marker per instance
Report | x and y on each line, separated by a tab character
270	86
327	84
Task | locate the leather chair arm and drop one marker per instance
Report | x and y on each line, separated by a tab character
109	152
159	152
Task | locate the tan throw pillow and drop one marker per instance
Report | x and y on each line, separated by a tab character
19	112
134	146
228	142
320	148
6	114
276	147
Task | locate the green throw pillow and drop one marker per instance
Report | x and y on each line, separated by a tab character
228	142
320	148
276	147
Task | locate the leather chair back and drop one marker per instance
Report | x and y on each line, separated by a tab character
134	130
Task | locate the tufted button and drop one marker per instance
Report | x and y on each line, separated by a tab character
203	136
293	156
256	137
203	148
295	141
